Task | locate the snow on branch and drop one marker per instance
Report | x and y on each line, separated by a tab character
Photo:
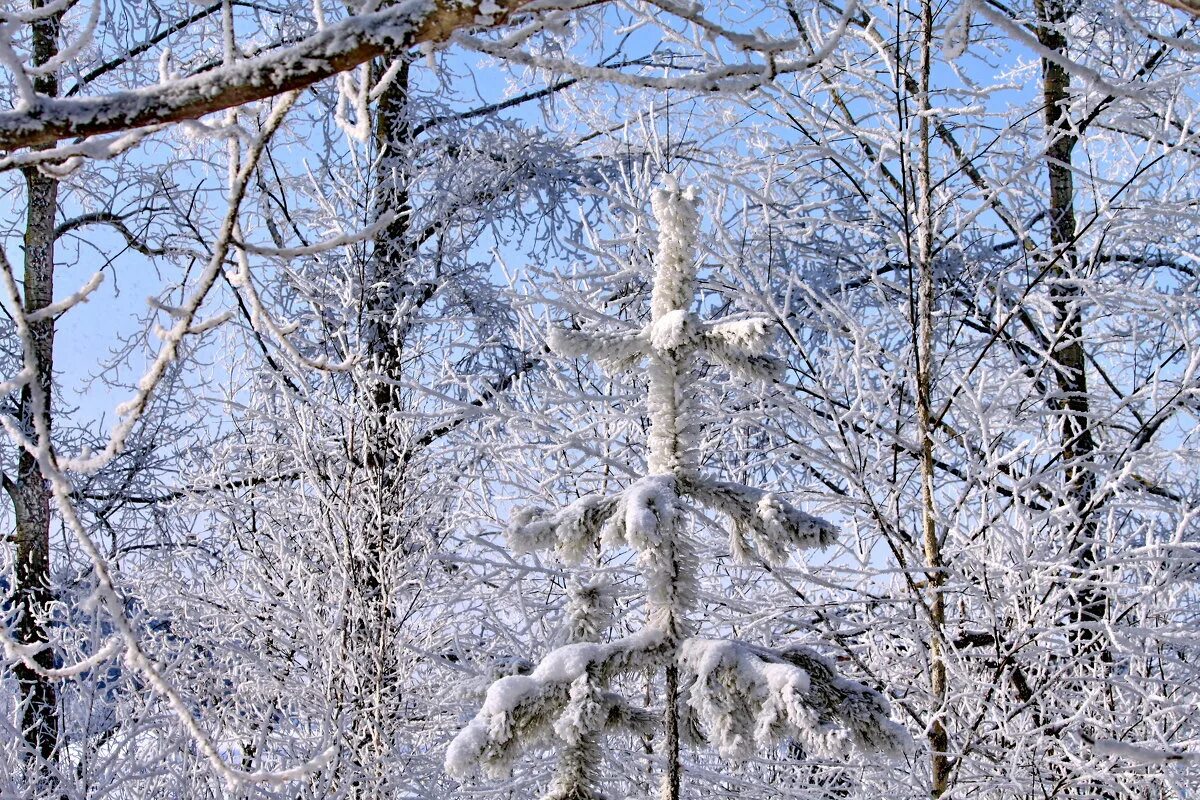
558	700
634	517
1144	754
740	345
763	521
327	52
67	303
750	333
746	696
25	653
569	531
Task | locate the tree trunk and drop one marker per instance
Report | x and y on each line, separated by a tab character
939	739
672	449
1077	445
30	493
375	701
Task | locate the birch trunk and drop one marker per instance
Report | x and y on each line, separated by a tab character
939	739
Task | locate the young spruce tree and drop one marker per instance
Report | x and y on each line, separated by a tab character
732	694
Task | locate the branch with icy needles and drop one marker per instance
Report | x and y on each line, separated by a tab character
615	351
634	517
521	709
743	695
776	527
746	695
738	344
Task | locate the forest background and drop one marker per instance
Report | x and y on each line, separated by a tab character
269	527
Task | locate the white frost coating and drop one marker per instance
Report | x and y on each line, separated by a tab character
523	708
34	14
569	532
745	696
735	691
751	334
24	653
1145	754
675	262
648	521
727	77
331	243
353	95
672	331
584	713
649	506
740	345
63	160
66	54
1017	31
615	351
958	30
589	609
643	517
12	63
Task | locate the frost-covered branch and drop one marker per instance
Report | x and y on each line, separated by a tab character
745	696
556	700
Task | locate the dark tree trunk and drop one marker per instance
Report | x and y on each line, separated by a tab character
1077	444
30	493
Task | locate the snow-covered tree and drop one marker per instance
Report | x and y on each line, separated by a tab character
735	694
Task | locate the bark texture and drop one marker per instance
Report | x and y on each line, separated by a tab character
1077	442
939	737
30	493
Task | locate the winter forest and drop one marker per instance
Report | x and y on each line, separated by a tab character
600	399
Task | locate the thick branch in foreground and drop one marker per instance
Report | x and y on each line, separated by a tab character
335	49
1190	6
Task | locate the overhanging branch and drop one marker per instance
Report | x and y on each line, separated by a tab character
335	49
